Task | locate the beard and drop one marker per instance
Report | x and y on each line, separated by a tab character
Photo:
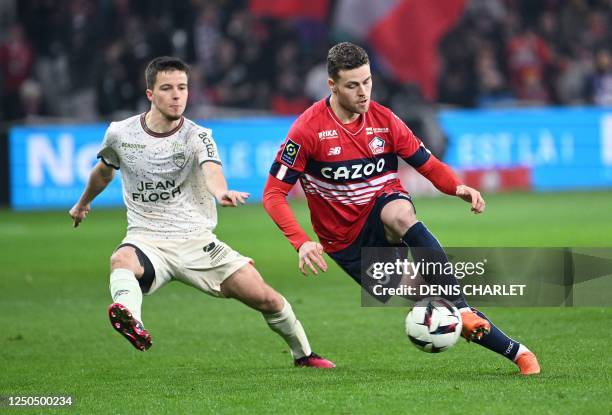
171	117
353	107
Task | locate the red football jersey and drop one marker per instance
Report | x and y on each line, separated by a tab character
344	168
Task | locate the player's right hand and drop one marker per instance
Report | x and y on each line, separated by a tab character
78	213
311	254
232	198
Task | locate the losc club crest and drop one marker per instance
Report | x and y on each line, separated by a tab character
377	145
179	159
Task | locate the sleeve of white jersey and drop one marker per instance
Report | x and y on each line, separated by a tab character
205	146
107	152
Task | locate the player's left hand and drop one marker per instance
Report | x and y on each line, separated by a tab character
232	198
78	213
472	196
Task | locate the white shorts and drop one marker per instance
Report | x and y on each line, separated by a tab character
203	263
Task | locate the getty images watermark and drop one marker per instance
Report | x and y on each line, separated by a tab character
406	272
488	276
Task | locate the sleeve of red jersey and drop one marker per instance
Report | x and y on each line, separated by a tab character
288	166
412	150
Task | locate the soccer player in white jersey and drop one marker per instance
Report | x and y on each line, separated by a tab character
171	175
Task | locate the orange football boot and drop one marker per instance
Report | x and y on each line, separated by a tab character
474	326
528	364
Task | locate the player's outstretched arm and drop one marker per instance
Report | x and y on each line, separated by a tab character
445	180
275	203
215	180
100	177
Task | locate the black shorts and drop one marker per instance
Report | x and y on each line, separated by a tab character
146	281
372	235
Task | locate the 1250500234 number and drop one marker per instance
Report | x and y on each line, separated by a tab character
32	401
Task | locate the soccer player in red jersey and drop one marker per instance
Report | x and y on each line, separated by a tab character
344	150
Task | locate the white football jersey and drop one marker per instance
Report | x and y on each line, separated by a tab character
163	183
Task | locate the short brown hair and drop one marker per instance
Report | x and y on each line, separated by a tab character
345	55
163	64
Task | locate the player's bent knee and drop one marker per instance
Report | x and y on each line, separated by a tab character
405	219
125	257
272	302
248	286
399	216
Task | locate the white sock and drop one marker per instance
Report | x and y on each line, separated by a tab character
125	290
522	349
290	329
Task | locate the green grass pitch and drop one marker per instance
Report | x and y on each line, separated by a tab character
217	356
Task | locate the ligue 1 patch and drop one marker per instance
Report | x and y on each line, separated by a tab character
290	152
377	145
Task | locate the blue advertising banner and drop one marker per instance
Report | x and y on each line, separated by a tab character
50	165
562	149
569	148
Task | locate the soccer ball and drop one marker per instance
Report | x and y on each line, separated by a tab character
433	325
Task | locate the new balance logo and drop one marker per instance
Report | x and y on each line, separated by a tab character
334	151
327	134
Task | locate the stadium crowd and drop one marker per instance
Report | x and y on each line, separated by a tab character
84	58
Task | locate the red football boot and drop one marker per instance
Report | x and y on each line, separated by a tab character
314	360
130	328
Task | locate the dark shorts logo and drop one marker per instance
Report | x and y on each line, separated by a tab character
216	252
209	247
290	152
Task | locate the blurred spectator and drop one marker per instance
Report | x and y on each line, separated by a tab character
457	87
529	61
255	61
86	57
316	87
230	83
599	85
32	101
548	29
492	86
115	89
573	23
288	97
16	59
8	10
159	37
457	83
197	87
207	34
83	43
239	27
409	104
